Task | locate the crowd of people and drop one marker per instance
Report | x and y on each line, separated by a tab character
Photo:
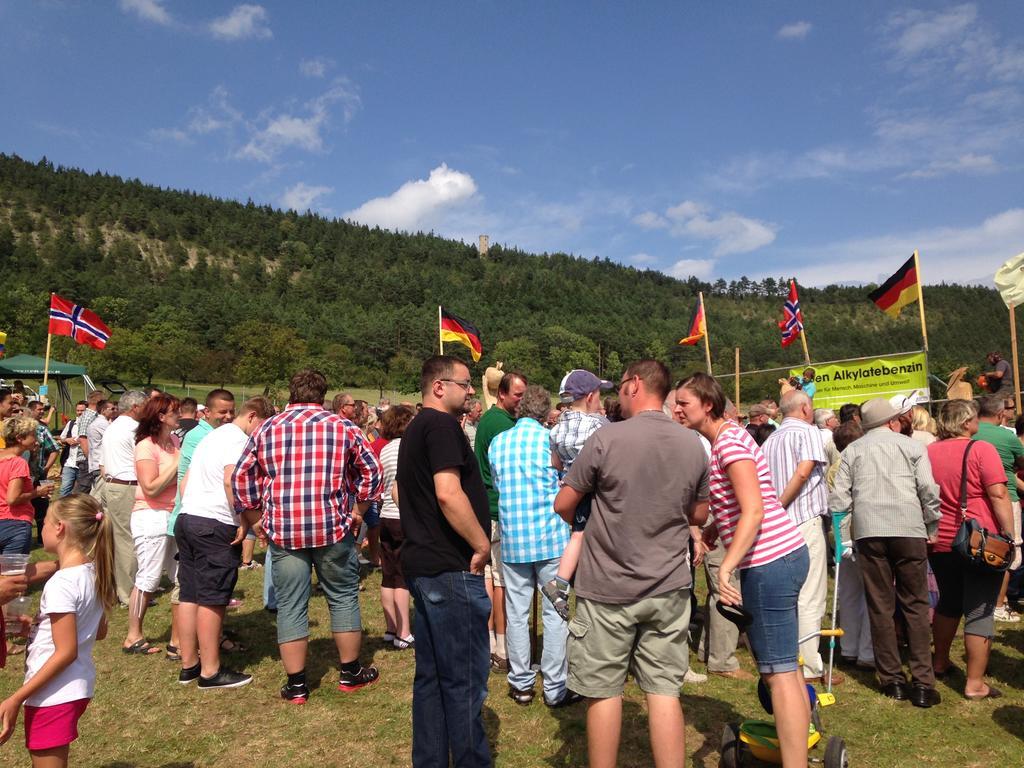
605	506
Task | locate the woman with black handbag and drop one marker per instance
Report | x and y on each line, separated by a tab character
972	491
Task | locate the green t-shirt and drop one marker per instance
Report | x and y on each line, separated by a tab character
492	423
1008	447
188	447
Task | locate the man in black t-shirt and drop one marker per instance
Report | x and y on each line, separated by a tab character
447	526
1000	378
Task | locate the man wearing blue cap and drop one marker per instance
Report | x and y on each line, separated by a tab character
579	421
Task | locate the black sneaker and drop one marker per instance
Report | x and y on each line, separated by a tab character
295	694
569	698
225	678
353	681
187	675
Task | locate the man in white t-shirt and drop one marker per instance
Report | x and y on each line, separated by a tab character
209	537
117	456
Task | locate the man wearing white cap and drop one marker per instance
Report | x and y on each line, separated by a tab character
578	422
904	407
885	481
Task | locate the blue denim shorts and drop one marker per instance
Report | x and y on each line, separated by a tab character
372	517
770	594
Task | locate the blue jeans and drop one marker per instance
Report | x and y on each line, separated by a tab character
337	568
452	664
15	537
68	475
269	596
520	580
770	592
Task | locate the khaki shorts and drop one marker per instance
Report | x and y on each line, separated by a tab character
492	572
646	639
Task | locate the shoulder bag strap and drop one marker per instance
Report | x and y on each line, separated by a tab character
963	481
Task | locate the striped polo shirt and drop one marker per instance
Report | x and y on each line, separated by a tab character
778	535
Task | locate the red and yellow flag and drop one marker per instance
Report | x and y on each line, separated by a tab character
456	329
899	290
697	326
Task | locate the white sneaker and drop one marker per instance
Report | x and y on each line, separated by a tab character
1004	614
694	677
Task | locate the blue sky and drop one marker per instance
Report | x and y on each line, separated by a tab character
822	140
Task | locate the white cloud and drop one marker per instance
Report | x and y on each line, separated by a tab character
315	67
417	204
969	163
650	220
642	258
302	196
798	30
919	32
245	21
176	135
278	132
684	268
148	10
967	254
952	42
731	232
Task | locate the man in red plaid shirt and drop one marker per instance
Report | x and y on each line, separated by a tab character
304	481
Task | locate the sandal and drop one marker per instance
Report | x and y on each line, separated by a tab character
993	693
521	697
141	648
173	654
229	644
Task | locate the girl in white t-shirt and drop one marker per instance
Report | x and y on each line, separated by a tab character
59	672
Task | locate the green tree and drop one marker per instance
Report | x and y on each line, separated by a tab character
268	354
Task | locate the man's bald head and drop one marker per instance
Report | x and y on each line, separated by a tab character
796	404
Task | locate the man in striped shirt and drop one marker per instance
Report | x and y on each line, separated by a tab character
307	476
797	462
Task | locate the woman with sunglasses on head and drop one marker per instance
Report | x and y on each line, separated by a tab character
764	544
156	466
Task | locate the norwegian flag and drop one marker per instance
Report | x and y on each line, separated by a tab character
792	324
81	324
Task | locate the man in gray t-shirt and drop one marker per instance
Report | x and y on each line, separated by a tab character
649	478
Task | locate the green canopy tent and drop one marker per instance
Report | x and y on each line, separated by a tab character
31	367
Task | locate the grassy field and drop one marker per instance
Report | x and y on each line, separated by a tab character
142	717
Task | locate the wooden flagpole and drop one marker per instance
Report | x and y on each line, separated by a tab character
440	337
707	341
920	299
1016	367
736	400
807	355
46	364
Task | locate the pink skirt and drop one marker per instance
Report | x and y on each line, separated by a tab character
55	726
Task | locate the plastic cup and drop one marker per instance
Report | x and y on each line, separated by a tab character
13	611
13	565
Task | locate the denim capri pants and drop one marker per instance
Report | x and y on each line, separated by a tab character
770	594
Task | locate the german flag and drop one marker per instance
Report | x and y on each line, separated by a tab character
458	330
899	290
697	326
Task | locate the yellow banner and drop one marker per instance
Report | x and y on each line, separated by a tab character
854	382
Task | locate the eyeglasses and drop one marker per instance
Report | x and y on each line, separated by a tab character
464	384
624	382
349	405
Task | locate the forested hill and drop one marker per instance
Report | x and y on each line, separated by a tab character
208	290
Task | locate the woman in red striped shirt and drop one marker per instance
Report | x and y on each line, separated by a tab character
764	544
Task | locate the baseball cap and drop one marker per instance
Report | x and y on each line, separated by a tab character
903	403
578	383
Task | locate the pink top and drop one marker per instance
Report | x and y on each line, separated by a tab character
11	468
164	500
778	535
984	468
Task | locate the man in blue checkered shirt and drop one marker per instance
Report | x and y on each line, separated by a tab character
532	540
